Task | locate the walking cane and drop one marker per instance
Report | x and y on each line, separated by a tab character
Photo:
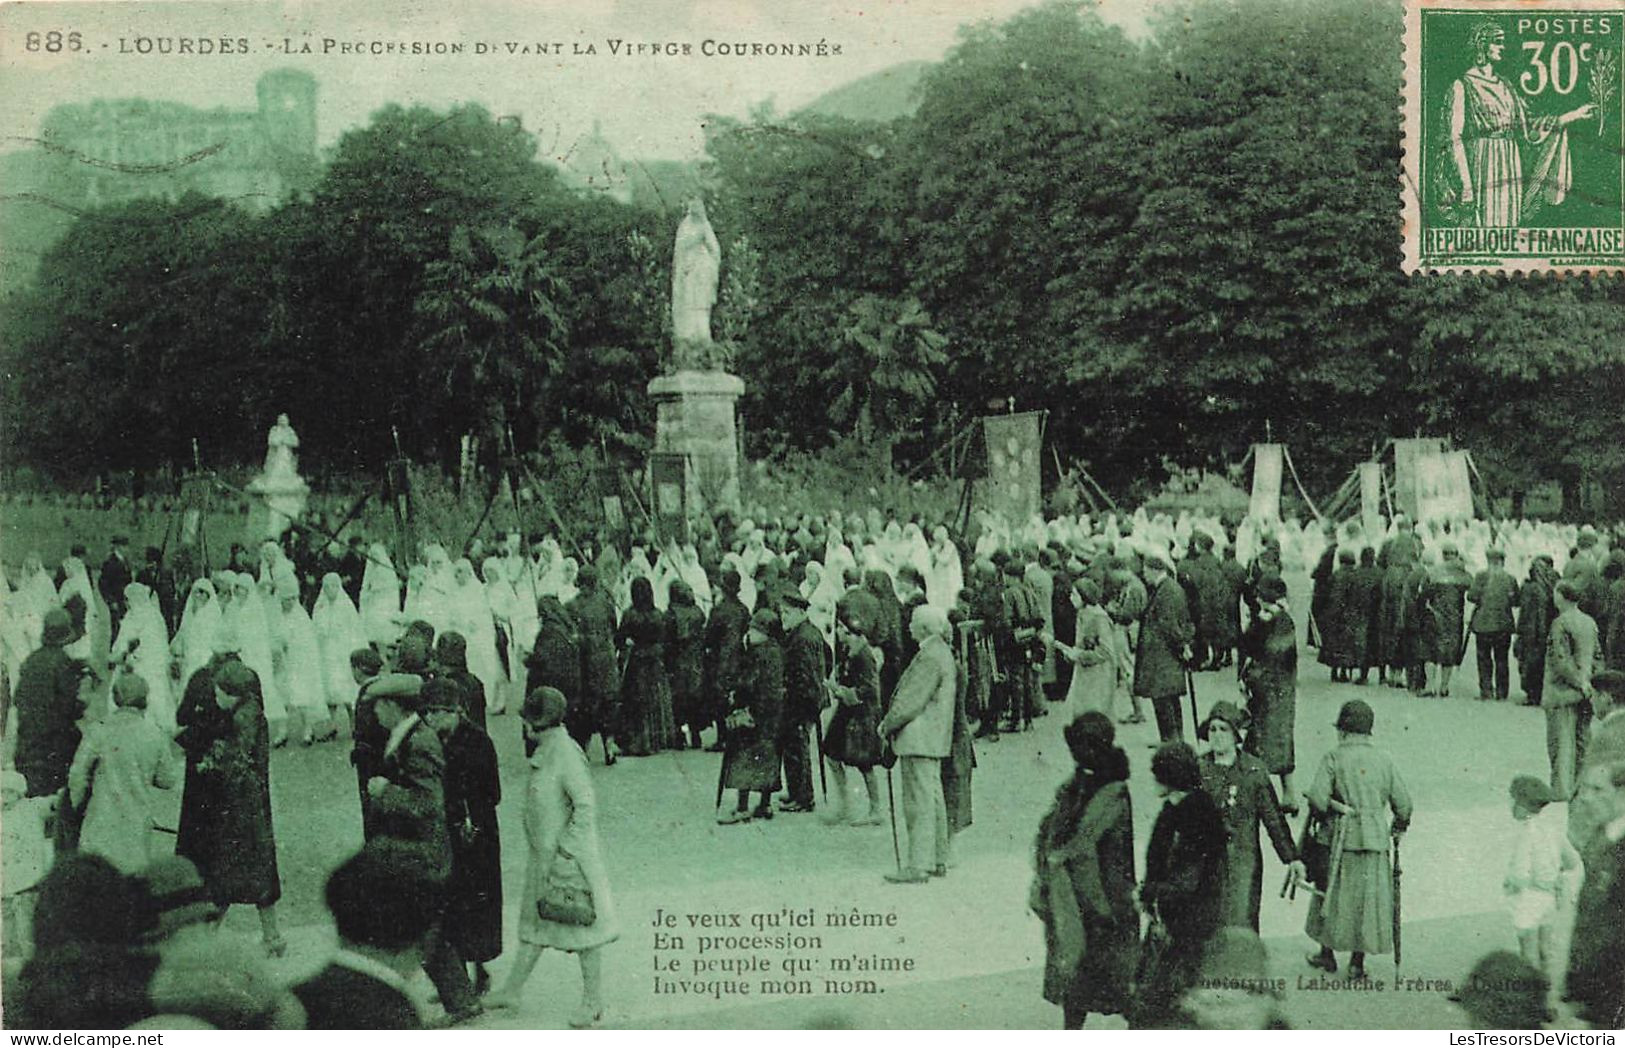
1397	920
1190	690
891	798
823	776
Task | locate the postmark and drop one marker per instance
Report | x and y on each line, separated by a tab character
1514	136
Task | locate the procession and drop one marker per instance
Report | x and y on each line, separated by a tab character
1000	528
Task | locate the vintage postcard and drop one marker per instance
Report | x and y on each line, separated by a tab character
790	514
1513	144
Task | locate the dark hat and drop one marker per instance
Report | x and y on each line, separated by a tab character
1611	681
544	708
1227	711
1530	793
450	644
1271	588
1494	553
236	679
1356	717
440	693
792	599
764	621
1504	992
130	690
178	891
367	661
58	628
1090	733
1174	765
403	689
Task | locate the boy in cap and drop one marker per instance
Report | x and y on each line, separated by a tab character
1542	869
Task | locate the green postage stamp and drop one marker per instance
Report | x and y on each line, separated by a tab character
1514	136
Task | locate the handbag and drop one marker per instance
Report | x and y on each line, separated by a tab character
567	898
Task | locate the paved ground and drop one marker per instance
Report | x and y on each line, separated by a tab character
976	952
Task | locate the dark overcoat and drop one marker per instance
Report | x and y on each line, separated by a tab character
751	761
1165	629
473	789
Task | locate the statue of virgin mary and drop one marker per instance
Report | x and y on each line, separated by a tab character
696	261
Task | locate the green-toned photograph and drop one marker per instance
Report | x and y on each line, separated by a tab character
763	515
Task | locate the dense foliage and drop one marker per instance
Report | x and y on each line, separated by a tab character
1168	244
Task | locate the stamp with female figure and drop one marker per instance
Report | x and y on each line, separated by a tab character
1514	136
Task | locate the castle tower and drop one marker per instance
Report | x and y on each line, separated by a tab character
287	112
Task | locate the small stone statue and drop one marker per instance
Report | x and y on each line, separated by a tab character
696	263
281	445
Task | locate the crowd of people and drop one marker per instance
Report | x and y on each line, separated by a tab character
779	643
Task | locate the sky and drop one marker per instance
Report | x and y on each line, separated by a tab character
649	107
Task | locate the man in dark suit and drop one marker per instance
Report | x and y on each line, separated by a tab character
806	664
1494	595
1164	650
115	575
385	900
725	650
407	802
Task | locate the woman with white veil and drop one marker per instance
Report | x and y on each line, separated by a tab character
249	627
380	597
36	592
568	569
470	615
142	648
199	633
339	633
76	583
19	630
686	560
838	557
299	671
945	578
508	609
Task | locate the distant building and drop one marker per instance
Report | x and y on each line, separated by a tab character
113	150
591	165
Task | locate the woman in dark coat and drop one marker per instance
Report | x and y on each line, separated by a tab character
853	738
555	660
751	762
1084	888
1320	593
592	707
233	842
685	665
647	725
1445	600
1184	888
888	632
961	763
1334	612
1238	784
1536	610
473	789
1364	607
451	662
1269	672
1394	611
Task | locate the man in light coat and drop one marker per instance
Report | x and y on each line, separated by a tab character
1571	649
919	728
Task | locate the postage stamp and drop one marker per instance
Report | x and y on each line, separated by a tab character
1514	136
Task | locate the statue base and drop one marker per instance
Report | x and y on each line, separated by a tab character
695	416
278	502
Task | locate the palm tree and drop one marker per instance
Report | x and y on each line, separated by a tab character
885	369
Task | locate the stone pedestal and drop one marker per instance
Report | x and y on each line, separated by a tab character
278	502
695	416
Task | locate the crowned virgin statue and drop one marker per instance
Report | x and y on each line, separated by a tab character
696	261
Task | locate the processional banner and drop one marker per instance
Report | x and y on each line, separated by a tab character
1265	503
1013	485
1444	488
668	483
1371	498
1406	452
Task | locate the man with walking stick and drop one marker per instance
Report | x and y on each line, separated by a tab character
919	729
